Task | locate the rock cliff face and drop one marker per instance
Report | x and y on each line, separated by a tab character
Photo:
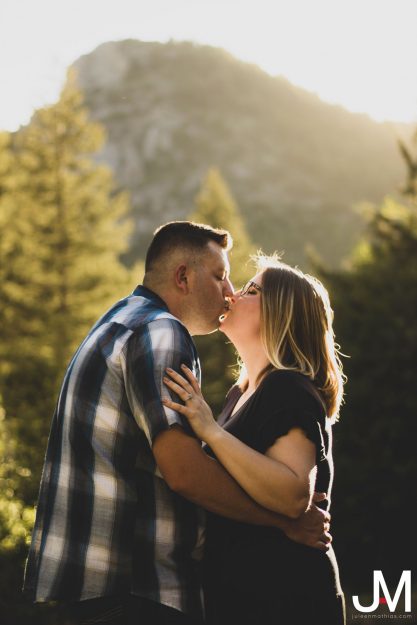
295	165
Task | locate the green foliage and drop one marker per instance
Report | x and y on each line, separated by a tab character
63	227
64	230
16	522
410	158
375	304
67	226
16	519
216	206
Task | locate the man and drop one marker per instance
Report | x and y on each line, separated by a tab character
117	532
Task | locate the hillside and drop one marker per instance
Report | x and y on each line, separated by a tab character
295	164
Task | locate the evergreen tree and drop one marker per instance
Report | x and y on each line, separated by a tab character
74	223
215	206
11	291
16	518
65	228
375	304
410	158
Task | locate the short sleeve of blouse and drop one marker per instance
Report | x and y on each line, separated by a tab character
285	402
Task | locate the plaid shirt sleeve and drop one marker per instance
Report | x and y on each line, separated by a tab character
149	351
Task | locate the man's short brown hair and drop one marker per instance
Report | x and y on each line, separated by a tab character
184	234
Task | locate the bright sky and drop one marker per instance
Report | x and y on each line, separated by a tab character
358	53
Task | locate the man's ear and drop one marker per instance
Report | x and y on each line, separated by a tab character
181	278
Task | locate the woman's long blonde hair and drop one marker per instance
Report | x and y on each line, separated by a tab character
297	329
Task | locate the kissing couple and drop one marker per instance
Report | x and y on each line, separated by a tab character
151	510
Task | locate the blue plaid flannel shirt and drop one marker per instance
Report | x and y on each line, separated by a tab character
107	523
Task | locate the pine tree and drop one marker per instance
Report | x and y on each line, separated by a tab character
410	157
375	304
215	206
11	290
66	227
63	227
73	220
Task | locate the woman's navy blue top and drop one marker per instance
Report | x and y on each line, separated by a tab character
261	561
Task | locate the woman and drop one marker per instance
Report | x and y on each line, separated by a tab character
274	438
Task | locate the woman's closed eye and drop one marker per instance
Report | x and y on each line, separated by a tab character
251	287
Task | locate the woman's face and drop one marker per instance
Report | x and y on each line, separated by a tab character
243	319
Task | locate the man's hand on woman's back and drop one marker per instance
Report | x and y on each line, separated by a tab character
312	528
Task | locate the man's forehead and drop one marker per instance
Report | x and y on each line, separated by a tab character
226	262
218	256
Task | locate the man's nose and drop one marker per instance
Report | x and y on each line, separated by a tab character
228	289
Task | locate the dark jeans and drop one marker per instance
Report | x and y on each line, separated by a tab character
129	610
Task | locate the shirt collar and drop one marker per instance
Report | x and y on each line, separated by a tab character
143	291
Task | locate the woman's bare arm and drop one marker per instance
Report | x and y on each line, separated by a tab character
281	480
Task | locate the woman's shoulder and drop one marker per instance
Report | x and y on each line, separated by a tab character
292	386
285	378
